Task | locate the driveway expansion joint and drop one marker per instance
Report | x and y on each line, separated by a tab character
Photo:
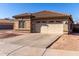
15	50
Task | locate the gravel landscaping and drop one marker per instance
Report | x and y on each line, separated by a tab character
67	42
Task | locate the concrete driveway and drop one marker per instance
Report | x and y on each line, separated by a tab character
27	44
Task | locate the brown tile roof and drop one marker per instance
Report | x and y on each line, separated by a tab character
48	14
44	13
22	15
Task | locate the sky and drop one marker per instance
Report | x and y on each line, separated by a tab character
7	10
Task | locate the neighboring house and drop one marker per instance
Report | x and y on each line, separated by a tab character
6	24
43	22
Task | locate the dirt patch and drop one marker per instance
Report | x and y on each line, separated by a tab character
67	42
7	35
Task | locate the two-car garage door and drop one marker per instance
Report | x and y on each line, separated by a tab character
47	27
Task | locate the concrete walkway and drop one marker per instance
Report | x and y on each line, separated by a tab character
28	44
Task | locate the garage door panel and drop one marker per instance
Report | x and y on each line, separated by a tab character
44	29
49	28
55	28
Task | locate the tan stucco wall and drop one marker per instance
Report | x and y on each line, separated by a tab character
68	28
27	25
65	26
15	25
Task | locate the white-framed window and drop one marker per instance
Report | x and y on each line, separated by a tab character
21	23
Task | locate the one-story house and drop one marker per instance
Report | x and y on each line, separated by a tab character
43	22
